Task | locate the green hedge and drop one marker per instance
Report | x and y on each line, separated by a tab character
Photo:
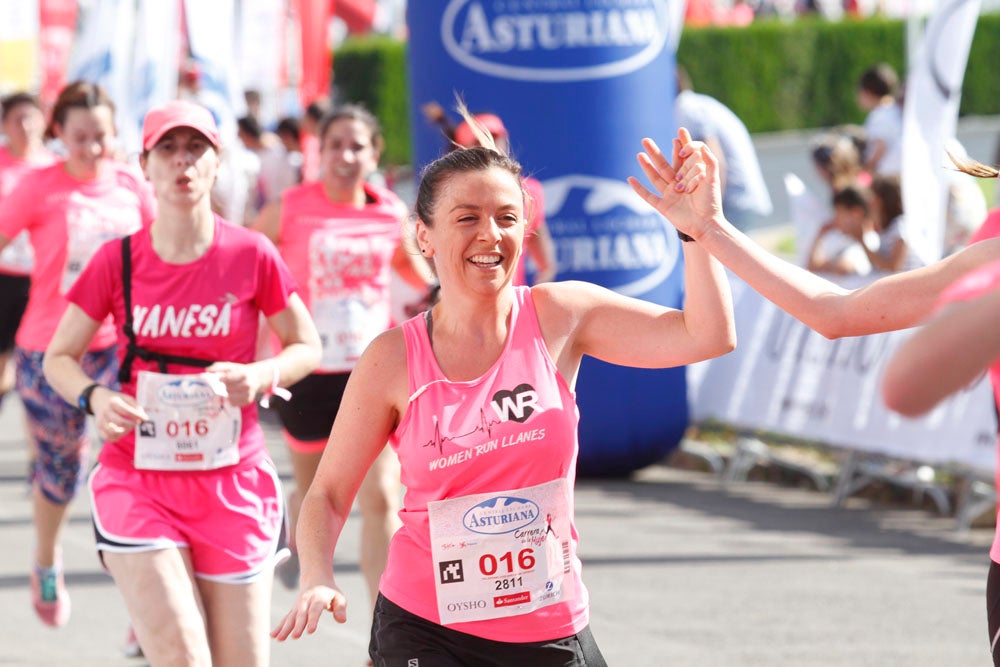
372	70
774	75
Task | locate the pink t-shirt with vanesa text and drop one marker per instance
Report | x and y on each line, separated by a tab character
68	219
970	286
17	258
341	257
513	428
207	309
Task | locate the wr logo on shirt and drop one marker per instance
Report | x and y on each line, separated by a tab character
517	404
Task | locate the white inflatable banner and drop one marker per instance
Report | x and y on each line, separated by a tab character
785	378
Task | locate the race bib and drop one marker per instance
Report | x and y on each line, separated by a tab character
18	257
346	325
191	426
89	228
502	554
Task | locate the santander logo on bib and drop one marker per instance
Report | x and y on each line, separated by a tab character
554	40
499	515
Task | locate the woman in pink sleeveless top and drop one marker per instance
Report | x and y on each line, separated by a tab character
895	302
476	397
342	239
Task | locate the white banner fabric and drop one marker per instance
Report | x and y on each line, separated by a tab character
930	114
785	378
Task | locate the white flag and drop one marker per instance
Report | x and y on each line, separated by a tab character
103	48
153	72
213	39
930	114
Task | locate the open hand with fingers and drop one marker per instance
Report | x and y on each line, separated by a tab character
308	608
688	189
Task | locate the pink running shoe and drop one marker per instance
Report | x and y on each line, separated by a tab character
48	590
132	648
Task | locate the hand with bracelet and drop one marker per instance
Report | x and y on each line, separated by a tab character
115	414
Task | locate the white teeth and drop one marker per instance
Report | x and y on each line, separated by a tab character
485	259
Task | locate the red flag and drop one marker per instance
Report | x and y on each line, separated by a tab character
57	23
317	59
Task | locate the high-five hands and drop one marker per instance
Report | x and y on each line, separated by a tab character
688	190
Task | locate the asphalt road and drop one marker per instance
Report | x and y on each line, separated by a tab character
681	570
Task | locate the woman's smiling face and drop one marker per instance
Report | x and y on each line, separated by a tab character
477	232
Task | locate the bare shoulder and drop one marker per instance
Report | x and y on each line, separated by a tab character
563	306
386	354
381	372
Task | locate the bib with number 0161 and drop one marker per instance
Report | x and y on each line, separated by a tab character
191	426
502	554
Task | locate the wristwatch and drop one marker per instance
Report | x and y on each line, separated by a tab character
83	400
684	237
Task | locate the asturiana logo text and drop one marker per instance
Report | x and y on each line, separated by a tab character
500	515
569	40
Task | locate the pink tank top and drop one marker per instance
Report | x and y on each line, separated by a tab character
486	445
341	258
968	287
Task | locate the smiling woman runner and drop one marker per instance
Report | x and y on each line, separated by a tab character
476	397
186	504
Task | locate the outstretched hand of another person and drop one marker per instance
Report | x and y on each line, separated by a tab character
688	190
308	608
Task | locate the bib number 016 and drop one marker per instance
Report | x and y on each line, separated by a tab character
489	564
187	428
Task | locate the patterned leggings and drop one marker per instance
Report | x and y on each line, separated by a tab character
58	428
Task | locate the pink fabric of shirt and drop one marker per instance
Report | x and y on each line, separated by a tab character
16	257
66	219
989	228
335	249
972	285
444	418
207	309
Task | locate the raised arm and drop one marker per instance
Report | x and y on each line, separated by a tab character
944	355
582	318
894	302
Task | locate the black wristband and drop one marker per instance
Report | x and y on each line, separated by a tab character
684	237
83	400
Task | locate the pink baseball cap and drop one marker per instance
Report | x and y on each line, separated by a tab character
178	113
464	136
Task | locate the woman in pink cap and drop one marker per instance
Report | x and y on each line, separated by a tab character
476	395
68	210
186	504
